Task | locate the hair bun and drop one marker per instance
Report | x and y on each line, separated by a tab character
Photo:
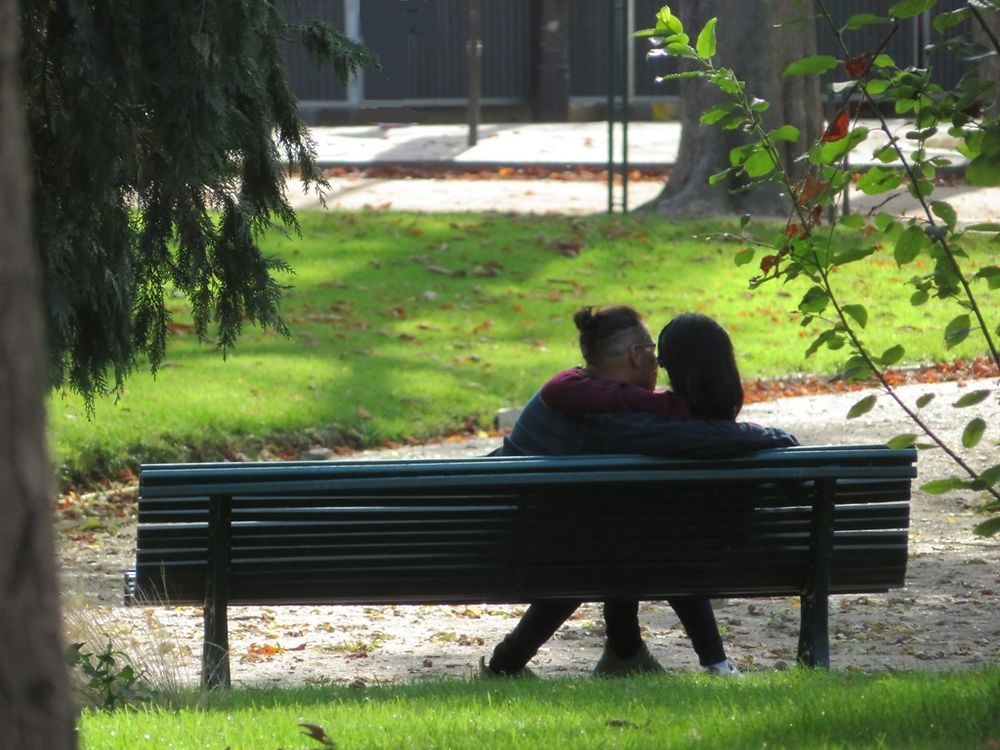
584	319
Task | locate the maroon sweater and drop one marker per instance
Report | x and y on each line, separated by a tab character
574	392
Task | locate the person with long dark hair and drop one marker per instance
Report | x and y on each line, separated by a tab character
616	388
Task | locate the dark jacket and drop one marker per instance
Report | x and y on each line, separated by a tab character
541	431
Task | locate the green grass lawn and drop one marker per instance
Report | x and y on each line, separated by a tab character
412	326
796	709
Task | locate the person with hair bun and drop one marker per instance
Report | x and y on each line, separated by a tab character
610	406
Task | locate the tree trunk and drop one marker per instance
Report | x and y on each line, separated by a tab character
988	69
550	69
758	53
35	706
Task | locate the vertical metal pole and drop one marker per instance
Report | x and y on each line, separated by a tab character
352	30
626	81
611	106
215	650
619	46
814	633
474	52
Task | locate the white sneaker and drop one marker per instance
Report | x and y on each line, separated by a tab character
724	669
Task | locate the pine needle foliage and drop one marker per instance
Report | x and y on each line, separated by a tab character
160	136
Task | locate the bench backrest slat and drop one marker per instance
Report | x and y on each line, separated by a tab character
514	529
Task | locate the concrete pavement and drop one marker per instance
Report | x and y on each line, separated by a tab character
551	146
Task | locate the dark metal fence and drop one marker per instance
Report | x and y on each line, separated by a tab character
421	44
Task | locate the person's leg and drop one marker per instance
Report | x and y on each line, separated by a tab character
621	625
539	622
698	619
624	652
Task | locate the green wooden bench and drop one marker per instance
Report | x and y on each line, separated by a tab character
804	521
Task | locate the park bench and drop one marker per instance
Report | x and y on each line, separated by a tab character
803	521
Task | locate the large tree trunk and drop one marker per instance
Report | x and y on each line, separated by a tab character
988	68
758	53
35	706
550	64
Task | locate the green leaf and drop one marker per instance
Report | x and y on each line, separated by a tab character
834	150
858	312
852	254
740	154
863	406
919	297
987	528
972	398
668	21
811	65
991	274
910	243
705	46
716	113
941	486
904	440
945	21
852	221
957	331
646	33
973	432
719	176
814	301
828	338
892	355
856	369
989	227
759	163
911	8
861	20
744	256
788	133
924	400
983	171
879	180
987	478
945	212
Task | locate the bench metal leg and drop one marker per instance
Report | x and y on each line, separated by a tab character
814	634
215	651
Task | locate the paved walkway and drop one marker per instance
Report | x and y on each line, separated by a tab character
553	146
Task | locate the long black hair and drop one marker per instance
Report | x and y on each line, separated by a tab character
598	328
699	359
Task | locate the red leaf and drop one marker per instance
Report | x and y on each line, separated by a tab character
768	262
837	129
811	187
856	66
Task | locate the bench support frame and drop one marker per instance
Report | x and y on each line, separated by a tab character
814	633
215	652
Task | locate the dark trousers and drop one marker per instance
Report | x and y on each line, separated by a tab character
621	622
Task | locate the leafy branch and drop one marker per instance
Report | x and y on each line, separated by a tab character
875	76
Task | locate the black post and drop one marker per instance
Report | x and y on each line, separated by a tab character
619	48
474	52
814	634
215	651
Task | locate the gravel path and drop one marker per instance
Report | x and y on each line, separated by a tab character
944	619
